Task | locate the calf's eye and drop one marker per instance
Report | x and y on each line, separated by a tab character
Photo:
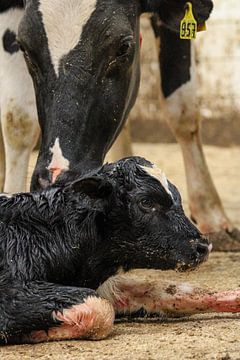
147	204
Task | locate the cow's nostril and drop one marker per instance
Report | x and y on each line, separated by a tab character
203	249
44	183
55	172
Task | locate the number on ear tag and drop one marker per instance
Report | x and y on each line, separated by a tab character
188	29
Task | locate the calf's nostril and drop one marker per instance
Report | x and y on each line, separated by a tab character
204	240
210	247
203	249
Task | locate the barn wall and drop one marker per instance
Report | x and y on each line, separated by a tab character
218	59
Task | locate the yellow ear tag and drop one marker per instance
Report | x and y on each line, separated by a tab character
188	28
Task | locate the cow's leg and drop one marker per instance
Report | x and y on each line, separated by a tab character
130	295
122	147
178	82
18	110
20	133
2	161
40	311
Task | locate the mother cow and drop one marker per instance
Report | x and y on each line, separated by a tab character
83	56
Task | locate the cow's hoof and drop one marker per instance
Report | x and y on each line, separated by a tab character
226	240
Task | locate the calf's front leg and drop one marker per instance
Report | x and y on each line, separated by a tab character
129	295
39	311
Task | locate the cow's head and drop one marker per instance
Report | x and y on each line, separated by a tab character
134	219
83	56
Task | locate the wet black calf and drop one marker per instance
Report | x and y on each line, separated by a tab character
59	246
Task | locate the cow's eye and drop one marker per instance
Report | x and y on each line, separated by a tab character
27	57
147	204
33	69
20	46
124	48
31	65
123	56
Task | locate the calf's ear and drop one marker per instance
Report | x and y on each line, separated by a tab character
171	12
95	187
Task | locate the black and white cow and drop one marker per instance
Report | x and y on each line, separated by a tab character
60	247
83	56
87	74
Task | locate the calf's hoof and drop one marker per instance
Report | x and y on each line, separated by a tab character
93	320
225	240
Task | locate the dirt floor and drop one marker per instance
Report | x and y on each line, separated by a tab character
199	337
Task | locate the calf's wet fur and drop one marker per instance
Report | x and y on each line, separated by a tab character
61	249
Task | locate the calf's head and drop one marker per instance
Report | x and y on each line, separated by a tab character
83	56
138	220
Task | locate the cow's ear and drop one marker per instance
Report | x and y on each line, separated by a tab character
95	187
171	12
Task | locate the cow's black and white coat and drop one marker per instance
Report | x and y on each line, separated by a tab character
83	56
60	248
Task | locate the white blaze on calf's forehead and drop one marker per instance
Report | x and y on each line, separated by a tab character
159	175
58	160
64	21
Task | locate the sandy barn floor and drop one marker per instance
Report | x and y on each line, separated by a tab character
198	337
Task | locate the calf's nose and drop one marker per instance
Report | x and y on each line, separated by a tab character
203	247
204	240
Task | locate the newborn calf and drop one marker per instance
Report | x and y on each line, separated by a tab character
60	248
